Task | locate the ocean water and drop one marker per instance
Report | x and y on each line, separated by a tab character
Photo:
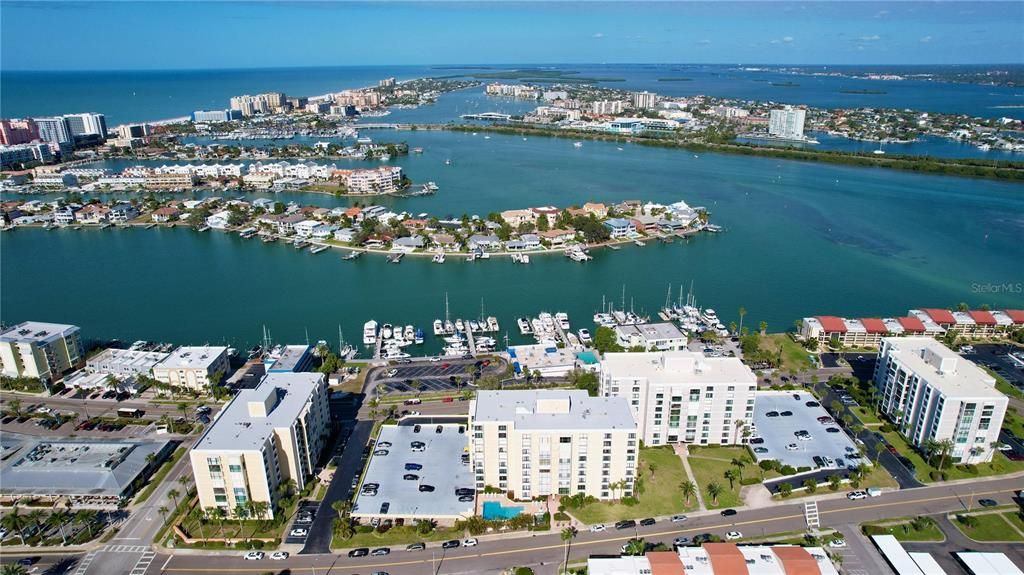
802	239
132	96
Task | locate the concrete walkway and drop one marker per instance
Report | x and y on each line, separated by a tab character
683	454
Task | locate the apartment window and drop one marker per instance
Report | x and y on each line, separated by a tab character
694	395
240	496
235	468
564	440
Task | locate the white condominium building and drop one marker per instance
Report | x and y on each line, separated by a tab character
683	396
263	438
40	350
192	367
787	122
936	395
553	442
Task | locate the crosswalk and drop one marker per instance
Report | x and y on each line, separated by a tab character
143	563
811	514
125	548
84	565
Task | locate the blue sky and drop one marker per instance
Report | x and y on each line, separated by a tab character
45	35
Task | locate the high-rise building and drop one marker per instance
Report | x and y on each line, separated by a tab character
683	396
55	130
41	350
262	439
644	100
606	107
216	115
787	122
129	131
936	395
260	103
553	442
13	132
87	124
25	154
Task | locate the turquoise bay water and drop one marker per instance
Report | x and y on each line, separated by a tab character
802	239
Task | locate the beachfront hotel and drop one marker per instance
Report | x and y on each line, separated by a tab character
192	367
553	442
683	396
41	350
934	394
263	438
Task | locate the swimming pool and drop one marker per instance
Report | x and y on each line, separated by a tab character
495	510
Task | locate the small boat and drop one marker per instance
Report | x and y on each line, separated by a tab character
318	249
585	336
449	327
459	326
386	331
201	228
351	255
301	245
577	144
474	325
370	332
638	243
409	333
614	247
438	327
524	326
563	319
418	337
448	162
395	258
438	258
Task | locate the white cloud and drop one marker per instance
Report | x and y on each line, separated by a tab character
872	38
705	41
926	39
598	35
787	39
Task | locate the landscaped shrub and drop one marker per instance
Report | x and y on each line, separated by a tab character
561	516
788	470
524	571
630	501
803	469
750	481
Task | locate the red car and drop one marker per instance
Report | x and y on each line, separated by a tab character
445	365
447	400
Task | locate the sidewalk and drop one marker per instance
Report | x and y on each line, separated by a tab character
684	454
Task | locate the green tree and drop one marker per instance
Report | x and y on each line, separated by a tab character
58	519
688	490
714	490
785	489
162	510
811	485
605	340
567	535
636	547
173	494
731	475
834	482
13	569
15	522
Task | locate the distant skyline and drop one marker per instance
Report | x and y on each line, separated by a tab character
45	35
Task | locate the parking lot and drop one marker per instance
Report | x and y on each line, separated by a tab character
445	375
778	432
303	520
439	466
996	358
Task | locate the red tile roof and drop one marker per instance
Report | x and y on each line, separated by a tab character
831	323
1017	315
726	558
665	563
911	323
796	561
940	316
982	317
873	325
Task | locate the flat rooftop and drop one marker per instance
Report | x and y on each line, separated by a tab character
539	356
677	367
240	427
663	330
37	332
192	357
552	409
442	469
69	466
288	358
943	368
127	359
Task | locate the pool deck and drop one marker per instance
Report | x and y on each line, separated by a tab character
529	507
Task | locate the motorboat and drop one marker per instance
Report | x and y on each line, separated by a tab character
585	336
438	327
370	332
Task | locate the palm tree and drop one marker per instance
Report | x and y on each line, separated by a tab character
199	517
185	483
173	494
87	517
731	475
764	327
57	519
567	534
811	485
945	448
742	312
636	547
15	522
36	517
220	514
688	489
714	490
343	527
739	463
13	569
162	510
342	507
879	448
785	489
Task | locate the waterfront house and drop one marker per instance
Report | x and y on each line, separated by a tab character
93	214
645	223
557	238
121	213
483	242
550	211
324	231
515	218
597	210
259	180
265	204
344	235
63	216
286	223
305	228
407	244
445	241
670	226
377	241
354	214
219	220
373	212
415	223
165	214
524	242
628	207
620	228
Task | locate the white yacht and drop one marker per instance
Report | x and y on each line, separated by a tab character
459	326
524	326
438	258
438	327
604	319
449	327
474	325
385	331
370	332
563	320
492	323
409	333
585	336
577	144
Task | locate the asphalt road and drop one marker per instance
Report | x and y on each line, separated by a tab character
430	376
543	552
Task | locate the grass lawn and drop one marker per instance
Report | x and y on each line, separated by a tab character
904	532
998	466
990	527
794	356
866	415
1015	518
1013	423
877	477
709	464
659	491
396	536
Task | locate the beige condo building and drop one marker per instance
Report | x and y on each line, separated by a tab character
41	350
262	439
553	442
683	396
192	366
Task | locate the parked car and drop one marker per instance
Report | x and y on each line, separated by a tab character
837	543
380	552
733	535
855	495
597	528
254	556
761	450
279	555
728	512
426	488
298	532
466	499
812	404
411	477
627	524
987	502
647	522
471	542
360	552
453	544
680	541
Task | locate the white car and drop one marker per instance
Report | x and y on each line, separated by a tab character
733	535
434	359
598	528
855	495
299	532
1004	447
804	437
679	518
392	372
471	542
254	556
279	555
43	409
792	447
837	543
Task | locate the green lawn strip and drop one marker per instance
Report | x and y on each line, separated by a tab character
1013	422
989	527
794	356
1003	385
999	465
1016	519
709	464
903	531
159	476
877	477
659	491
866	415
394	537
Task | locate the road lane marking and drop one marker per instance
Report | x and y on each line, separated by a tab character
586	543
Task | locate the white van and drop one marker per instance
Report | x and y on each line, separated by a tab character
873	491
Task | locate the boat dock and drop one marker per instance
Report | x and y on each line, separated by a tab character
469	339
395	258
